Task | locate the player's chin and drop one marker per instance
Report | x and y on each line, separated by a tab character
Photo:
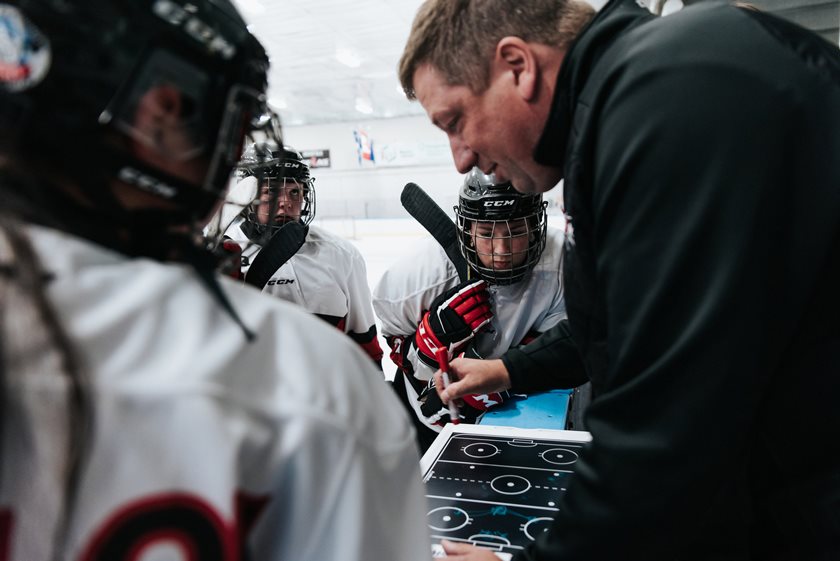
283	220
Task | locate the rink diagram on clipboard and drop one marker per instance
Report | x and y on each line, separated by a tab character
496	487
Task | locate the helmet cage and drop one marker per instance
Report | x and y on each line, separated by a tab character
497	208
278	188
532	225
278	173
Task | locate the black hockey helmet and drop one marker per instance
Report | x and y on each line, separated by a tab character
506	212
76	75
262	159
276	169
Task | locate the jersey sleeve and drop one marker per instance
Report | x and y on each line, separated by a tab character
404	294
409	286
550	361
361	323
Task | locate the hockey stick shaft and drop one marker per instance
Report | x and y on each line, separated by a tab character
279	249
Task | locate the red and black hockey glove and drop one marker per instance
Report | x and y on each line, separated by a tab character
453	320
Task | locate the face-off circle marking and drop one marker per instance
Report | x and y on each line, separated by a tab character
447	519
559	456
510	484
536	526
481	450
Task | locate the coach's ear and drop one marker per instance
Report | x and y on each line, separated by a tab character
517	62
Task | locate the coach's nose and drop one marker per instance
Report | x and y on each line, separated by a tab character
465	159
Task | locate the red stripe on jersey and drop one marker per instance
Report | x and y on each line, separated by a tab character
373	350
369	343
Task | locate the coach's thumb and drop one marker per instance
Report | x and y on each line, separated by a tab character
449	392
453	548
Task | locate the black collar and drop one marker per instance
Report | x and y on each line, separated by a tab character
582	55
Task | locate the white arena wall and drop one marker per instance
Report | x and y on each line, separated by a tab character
405	149
350	188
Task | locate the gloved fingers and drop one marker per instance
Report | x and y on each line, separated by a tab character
465	320
464	292
458	324
478	318
470	300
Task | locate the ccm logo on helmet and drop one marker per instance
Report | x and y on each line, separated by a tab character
179	16
146	182
509	202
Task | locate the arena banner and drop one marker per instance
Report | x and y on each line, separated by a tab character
317	158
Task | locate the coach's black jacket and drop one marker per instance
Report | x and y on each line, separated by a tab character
702	158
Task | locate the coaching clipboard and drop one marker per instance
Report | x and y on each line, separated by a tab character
496	487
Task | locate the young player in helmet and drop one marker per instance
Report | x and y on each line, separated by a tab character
514	294
327	275
285	189
502	233
139	419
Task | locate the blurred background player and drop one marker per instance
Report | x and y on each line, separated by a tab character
327	275
139	418
515	294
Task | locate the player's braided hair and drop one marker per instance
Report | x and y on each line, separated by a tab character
25	310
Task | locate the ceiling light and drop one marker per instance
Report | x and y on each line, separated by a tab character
347	58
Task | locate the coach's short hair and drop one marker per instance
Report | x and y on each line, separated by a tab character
458	37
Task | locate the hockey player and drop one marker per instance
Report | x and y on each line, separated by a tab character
515	294
139	420
327	276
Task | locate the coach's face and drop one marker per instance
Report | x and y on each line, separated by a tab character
497	129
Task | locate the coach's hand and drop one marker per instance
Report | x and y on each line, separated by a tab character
466	552
470	376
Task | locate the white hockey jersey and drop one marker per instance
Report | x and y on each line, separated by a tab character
202	443
328	277
530	306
